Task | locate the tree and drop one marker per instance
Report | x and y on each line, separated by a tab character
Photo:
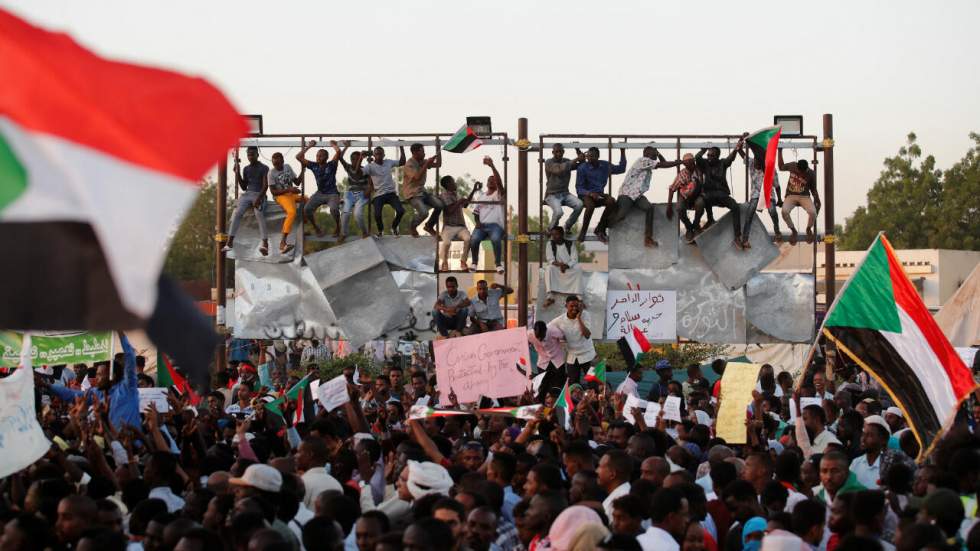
191	254
919	206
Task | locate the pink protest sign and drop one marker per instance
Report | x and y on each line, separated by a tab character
485	364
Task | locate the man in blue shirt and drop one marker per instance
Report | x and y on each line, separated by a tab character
124	398
325	173
590	186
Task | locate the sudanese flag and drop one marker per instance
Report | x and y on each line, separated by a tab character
765	145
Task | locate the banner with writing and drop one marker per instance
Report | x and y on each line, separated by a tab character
737	385
653	312
22	441
481	365
56	348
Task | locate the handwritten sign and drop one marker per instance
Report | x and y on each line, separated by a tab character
333	393
484	364
653	312
736	394
651	414
672	408
156	396
22	441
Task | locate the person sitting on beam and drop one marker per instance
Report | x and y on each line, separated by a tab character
253	183
559	172
631	194
591	184
379	170
357	194
802	184
489	215
325	173
687	186
715	189
413	189
282	182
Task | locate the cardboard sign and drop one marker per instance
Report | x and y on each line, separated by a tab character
736	394
333	393
652	312
484	364
156	396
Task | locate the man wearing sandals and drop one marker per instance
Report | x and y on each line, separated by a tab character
253	182
282	180
802	184
325	173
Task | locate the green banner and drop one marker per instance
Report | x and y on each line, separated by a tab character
55	349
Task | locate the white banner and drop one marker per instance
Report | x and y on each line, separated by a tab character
653	312
22	441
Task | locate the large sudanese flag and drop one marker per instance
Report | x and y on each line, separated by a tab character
879	322
99	162
764	144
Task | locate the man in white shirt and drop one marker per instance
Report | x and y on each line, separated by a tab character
613	475
311	456
574	325
669	518
630	383
489	214
563	272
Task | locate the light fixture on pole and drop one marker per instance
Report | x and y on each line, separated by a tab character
792	125
254	124
480	126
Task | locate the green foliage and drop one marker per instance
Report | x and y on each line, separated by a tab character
191	254
919	206
679	356
336	366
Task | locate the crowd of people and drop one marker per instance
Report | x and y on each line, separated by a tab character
582	472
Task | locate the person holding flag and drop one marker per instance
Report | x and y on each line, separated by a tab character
757	176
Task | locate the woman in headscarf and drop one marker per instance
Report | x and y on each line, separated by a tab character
565	531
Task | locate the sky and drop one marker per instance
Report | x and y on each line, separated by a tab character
882	68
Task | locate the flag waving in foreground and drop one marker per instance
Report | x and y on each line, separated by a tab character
463	141
764	145
879	321
99	161
168	377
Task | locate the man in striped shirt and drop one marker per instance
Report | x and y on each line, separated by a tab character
316	353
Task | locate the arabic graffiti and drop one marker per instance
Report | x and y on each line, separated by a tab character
709	312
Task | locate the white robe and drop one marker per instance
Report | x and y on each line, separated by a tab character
569	282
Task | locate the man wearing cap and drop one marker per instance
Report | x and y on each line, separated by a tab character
896	423
263	481
871	467
660	388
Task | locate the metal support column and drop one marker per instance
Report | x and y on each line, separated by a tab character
830	275
220	237
522	238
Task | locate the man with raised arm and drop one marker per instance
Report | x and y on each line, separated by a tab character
591	184
282	182
253	182
715	191
379	170
485	312
413	189
453	223
635	185
574	325
325	173
357	194
757	175
489	214
802	184
558	170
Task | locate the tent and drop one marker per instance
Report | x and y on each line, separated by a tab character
959	318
